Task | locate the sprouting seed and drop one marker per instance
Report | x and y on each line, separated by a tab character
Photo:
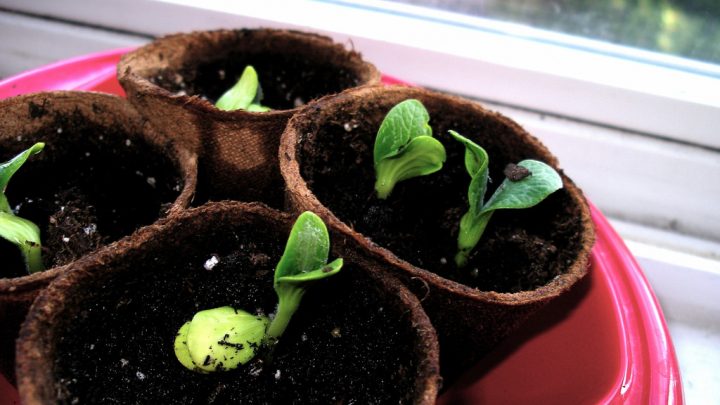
404	147
224	338
246	94
528	183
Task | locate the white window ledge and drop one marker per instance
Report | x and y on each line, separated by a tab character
587	80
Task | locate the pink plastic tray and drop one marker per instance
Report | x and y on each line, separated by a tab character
605	343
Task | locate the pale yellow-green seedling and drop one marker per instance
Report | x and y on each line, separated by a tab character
224	338
246	94
219	338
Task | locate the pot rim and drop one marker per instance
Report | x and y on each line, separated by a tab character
128	76
24	288
290	170
35	346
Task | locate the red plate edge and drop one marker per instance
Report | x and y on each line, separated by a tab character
94	72
649	350
645	368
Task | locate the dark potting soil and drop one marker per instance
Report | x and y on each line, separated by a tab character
342	346
286	82
520	249
94	187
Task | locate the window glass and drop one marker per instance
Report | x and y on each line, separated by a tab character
687	28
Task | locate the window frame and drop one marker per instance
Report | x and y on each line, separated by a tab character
553	73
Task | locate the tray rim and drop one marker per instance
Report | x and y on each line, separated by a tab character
649	370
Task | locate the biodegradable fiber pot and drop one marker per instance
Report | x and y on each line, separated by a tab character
176	80
104	332
524	259
104	172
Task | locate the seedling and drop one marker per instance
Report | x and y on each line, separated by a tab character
23	233
304	261
404	147
224	338
246	94
527	183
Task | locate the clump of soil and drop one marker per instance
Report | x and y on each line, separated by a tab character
419	222
342	346
286	81
88	187
72	230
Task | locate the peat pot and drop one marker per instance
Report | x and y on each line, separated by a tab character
103	173
525	258
176	80
104	332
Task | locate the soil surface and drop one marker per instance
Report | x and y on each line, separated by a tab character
91	188
520	250
341	347
286	82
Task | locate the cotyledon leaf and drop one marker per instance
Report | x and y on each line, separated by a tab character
405	121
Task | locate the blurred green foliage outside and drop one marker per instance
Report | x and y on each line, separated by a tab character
689	28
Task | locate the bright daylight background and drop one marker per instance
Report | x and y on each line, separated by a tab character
625	92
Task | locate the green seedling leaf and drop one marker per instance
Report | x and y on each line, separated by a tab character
303	262
325	271
5	205
405	121
244	95
307	247
8	169
476	164
527	192
26	236
537	181
476	159
422	156
23	233
223	338
219	339
404	147
258	108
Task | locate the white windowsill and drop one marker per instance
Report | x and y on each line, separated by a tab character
422	47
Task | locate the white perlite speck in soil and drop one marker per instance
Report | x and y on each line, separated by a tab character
90	229
211	262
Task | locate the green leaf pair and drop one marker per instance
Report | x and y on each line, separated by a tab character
537	181
246	94
21	232
224	338
303	263
404	147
